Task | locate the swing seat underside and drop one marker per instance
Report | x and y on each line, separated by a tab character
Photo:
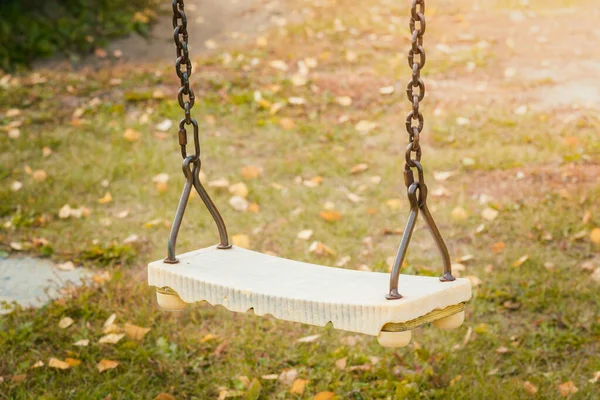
240	280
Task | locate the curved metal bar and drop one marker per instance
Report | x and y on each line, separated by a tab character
185	196
214	212
439	241
408	231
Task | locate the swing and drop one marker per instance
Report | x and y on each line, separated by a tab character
354	301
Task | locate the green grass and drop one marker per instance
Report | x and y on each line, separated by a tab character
548	319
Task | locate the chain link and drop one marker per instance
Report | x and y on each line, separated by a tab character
415	90
183	68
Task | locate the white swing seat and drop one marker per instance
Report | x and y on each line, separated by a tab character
240	280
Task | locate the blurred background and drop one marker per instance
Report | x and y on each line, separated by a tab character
301	106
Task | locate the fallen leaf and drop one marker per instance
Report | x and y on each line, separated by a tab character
16	186
304	234
498	247
324	396
344	100
107	198
313	182
18	246
441	176
111	338
521	260
595	378
135	332
73	362
288	376
208	338
386	90
330	215
239	189
105	364
251	172
567	388
131	135
38	364
254	390
394	204
502	350
164	396
341	363
161	181
58	364
459	214
296	101
364	127
358	168
308	339
530	388
489	214
298	386
270	377
595	235
279	65
241	241
287	123
253	208
82	343
239	203
320	249
596	275
18	378
65	322
66	266
39	175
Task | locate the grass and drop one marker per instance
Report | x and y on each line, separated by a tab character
536	322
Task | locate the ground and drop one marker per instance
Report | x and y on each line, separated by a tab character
511	155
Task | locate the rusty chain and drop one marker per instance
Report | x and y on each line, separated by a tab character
416	188
191	163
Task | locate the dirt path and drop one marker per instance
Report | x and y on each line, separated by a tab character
211	24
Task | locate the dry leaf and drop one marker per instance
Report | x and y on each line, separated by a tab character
364	127
109	321
253	208
65	322
251	172
73	362
287	123
394	204
107	198
161	181
131	135
489	214
596	275
82	343
313	182
208	338
16	186
66	266
304	234
460	214
341	363
358	168
136	332
296	101
164	396
38	364
521	260
111	338
58	364
530	388
498	247
288	376
567	388
330	215
165	125
308	339
595	378
279	64
344	100
221	183
595	235
239	203
104	365
241	241
39	175
298	386
475	281
386	90
239	189
320	249
270	377
324	396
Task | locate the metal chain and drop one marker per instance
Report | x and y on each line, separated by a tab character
191	163
416	188
416	61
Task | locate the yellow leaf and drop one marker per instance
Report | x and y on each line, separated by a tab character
65	322
489	214
330	215
38	364
135	332
58	364
324	396
287	123
394	204
208	338
107	198
251	172
567	388
161	182
595	235
241	241
358	168
105	364
521	260
239	189
460	214
530	388
341	363
73	362
131	135
164	396
320	249
253	208
111	338
298	386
